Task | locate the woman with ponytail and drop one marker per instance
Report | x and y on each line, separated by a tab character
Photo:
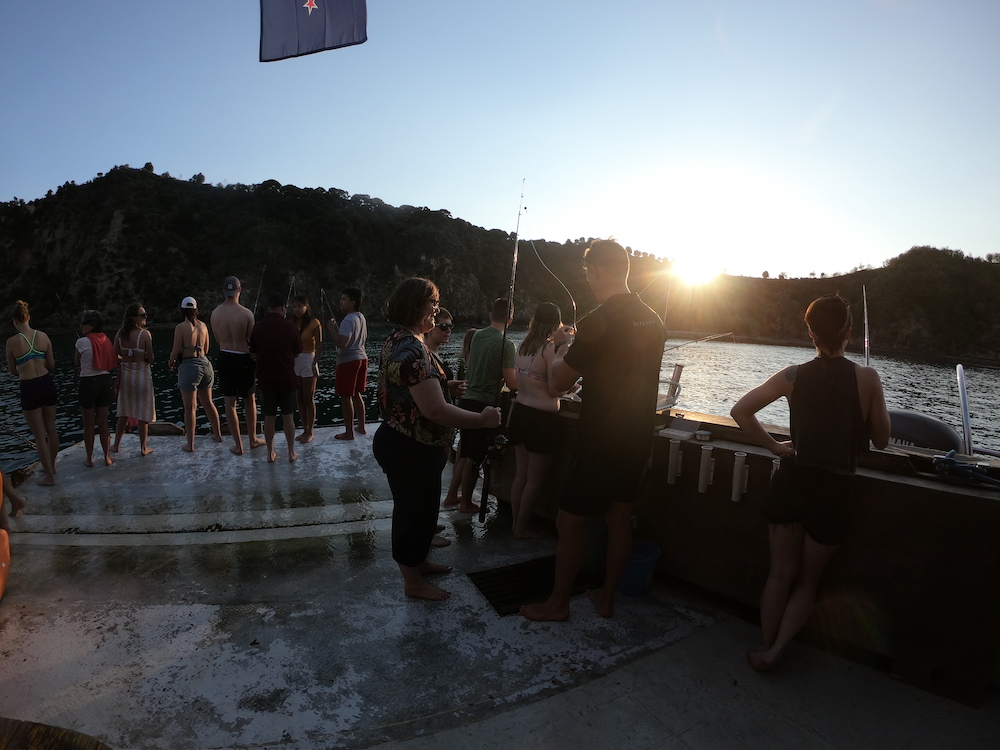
836	407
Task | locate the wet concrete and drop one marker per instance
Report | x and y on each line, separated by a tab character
210	601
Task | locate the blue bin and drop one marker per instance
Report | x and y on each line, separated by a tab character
638	575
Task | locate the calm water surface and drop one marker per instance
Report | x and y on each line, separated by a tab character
716	374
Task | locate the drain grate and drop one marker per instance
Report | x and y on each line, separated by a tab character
509	587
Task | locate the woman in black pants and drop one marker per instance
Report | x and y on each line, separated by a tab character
418	425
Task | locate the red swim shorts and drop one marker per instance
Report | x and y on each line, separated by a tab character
351	377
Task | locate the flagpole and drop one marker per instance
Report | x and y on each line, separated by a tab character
498	443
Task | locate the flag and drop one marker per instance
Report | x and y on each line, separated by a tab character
289	28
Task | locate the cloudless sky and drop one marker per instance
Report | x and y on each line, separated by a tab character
781	136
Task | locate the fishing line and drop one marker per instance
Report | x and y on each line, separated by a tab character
10	431
552	273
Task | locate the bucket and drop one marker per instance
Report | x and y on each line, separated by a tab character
638	575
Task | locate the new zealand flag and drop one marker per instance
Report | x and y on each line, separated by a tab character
289	28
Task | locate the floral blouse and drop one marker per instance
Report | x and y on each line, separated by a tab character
406	362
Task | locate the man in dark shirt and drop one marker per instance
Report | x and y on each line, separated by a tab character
275	342
618	350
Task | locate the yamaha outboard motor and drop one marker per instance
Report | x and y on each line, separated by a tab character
914	428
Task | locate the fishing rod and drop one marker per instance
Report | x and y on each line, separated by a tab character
698	341
498	443
291	289
864	296
259	287
10	431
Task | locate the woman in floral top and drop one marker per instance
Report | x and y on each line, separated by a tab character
418	424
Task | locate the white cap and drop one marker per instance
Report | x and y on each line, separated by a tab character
188	303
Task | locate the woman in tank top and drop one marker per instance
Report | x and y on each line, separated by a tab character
134	346
835	407
29	357
306	367
194	372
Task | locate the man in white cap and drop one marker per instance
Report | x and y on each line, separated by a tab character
232	324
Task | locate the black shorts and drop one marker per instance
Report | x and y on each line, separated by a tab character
38	392
539	431
594	481
96	391
822	501
237	374
475	441
271	399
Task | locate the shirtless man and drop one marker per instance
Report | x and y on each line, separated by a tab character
232	324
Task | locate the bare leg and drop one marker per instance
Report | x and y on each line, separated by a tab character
414	584
205	398
119	431
785	542
470	475
250	406
452	499
813	561
347	406
269	437
537	469
309	398
359	412
16	502
36	423
189	403
517	486
88	435
104	430
144	449
51	436
569	558
288	421
233	420
619	520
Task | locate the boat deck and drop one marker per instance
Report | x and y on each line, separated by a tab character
213	601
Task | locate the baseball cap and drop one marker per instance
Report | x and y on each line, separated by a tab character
275	300
231	286
188	303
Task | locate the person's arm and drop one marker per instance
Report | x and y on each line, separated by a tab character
340	341
745	410
549	356
76	355
561	375
878	414
149	345
50	357
430	401
118	345
318	340
12	363
177	349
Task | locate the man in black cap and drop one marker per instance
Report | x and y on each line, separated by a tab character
275	342
232	324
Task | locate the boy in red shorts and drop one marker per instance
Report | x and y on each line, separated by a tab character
352	362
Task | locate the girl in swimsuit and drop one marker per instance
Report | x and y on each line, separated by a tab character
535	429
134	345
29	357
194	371
306	367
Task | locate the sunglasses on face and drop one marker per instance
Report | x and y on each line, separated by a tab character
445	326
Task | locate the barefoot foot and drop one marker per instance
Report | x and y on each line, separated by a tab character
188	448
88	462
272	457
345	436
145	451
292	457
605	607
439	541
545	612
760	661
237	449
428	591
46	482
256	443
108	460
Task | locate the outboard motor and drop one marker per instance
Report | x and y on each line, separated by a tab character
923	431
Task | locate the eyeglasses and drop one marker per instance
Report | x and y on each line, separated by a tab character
445	326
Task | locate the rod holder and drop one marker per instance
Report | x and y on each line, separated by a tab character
705	469
741	472
674	463
775	463
675	380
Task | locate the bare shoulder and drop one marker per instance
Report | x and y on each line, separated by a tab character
867	375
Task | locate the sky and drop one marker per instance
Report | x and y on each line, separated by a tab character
796	137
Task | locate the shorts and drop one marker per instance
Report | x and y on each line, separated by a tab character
272	398
539	431
237	374
476	440
96	391
351	377
594	481
305	365
823	501
38	392
195	374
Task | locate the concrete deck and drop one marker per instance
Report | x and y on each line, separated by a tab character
212	601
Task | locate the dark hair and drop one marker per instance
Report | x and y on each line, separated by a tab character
404	304
93	319
502	310
828	318
276	300
306	314
354	295
467	342
20	311
610	256
127	326
543	324
444	313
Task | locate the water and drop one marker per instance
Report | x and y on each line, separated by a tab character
716	374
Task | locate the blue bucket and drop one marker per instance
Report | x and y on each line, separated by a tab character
638	575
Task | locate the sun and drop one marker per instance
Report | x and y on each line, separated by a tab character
697	269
